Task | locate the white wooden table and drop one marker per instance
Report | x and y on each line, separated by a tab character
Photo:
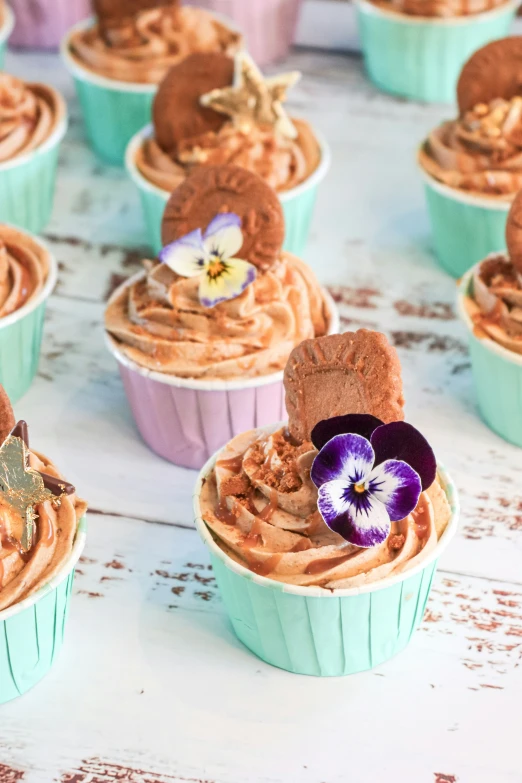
152	686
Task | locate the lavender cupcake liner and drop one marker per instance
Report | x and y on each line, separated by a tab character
319	632
41	24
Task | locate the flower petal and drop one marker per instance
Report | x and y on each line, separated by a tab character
223	235
348	457
396	485
359	518
399	440
186	256
231	282
353	423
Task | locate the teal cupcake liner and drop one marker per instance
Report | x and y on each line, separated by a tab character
465	228
27	185
324	633
421	58
5	32
298	203
113	111
21	338
31	632
497	376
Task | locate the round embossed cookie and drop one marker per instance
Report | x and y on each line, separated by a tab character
177	112
355	372
495	71
7	419
514	233
211	190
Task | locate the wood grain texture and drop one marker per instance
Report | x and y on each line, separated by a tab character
152	686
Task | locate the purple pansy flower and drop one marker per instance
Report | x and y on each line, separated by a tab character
369	474
210	256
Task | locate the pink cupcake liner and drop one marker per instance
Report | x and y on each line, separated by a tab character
269	25
41	24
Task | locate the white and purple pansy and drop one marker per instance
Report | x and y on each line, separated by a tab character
211	257
369	474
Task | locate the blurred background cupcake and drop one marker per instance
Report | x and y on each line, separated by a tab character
6	28
211	110
118	61
269	25
416	48
202	335
472	166
341	514
41	24
43	535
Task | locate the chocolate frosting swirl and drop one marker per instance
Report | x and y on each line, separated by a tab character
495	302
143	52
158	322
261	506
439	8
24	269
283	163
480	152
29	114
21	574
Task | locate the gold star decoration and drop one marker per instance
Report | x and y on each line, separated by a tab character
253	100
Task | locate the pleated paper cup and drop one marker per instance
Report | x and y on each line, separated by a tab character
32	631
186	420
298	203
465	228
41	24
5	32
319	632
421	58
497	376
21	339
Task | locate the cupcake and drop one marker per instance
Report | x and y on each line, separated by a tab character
490	304
212	110
203	334
118	61
41	24
324	533
416	48
6	28
27	278
472	166
269	25
42	536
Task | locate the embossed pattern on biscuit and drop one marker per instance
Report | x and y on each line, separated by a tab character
495	71
7	419
211	190
355	372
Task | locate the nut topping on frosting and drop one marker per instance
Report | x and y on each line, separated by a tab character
355	372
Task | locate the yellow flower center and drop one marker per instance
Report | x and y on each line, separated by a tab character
359	488
216	268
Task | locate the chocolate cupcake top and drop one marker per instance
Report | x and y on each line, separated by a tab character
24	269
211	111
439	8
223	301
335	502
139	42
39	513
29	114
480	152
494	301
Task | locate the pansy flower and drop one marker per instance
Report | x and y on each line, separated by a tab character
369	474
211	257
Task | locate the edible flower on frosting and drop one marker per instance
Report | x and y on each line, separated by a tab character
211	257
369	474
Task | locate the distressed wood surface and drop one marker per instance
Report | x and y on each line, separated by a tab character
152	686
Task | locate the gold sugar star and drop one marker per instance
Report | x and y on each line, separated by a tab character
254	100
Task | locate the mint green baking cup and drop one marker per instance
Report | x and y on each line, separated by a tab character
5	32
298	203
465	228
31	632
325	633
21	338
497	376
113	111
27	184
420	58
